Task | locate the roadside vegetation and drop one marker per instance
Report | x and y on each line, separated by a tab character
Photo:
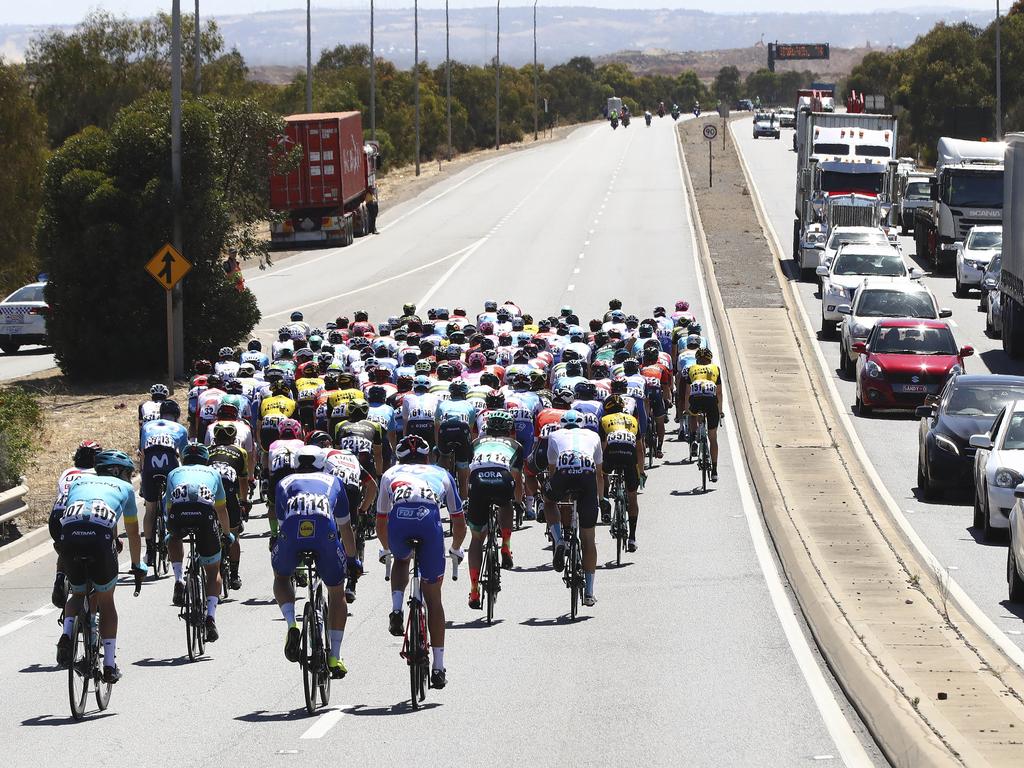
19	424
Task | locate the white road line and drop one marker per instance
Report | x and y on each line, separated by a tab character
570	288
27	619
323	724
441	281
29	556
847	743
576	271
967	605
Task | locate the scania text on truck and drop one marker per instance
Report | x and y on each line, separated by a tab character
966	190
322	200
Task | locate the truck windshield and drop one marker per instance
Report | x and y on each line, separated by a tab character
917	190
870	150
980	191
868	183
831	149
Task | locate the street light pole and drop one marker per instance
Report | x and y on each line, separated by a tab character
309	58
999	77
448	78
197	73
535	75
373	81
497	82
416	75
176	329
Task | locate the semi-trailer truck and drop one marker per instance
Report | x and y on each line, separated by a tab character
322	200
1011	275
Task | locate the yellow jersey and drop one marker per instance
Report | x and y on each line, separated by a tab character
278	405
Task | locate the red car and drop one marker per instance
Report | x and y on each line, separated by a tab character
903	361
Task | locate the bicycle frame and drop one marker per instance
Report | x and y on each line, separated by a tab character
416	644
316	677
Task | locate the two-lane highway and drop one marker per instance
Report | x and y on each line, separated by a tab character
694	654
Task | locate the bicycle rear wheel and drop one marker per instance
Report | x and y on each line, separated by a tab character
102	688
415	651
196	600
162	564
574	576
705	464
306	660
324	646
81	669
493	575
620	522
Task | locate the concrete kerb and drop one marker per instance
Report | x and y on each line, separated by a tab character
905	738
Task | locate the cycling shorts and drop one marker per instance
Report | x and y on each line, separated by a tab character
453	437
424	429
658	406
487	486
420	522
233	502
201	521
316	534
537	460
709	407
584	485
89	554
617	458
157	461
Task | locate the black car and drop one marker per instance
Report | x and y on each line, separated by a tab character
966	406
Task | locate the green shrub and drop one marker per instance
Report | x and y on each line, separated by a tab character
19	421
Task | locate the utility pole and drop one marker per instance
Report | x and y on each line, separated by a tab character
535	75
176	351
999	78
373	81
448	78
416	74
197	73
309	58
497	82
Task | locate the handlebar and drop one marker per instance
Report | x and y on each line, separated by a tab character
457	558
386	557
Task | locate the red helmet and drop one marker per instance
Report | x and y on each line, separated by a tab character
289	429
682	306
85	454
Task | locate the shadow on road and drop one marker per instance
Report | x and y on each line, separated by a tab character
558	621
998	361
480	623
692	492
263	716
55	720
1017	609
35	352
997	538
40	668
401	708
177	661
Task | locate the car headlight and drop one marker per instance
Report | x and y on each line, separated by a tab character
1008	478
943	443
956	370
874	370
989	283
975	263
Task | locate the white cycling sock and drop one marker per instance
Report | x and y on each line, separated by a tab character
556	533
588	579
396	600
288	611
336	636
178	571
438	657
211	605
530	501
109	652
69	625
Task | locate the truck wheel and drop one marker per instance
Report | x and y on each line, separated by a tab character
10	347
1011	328
796	240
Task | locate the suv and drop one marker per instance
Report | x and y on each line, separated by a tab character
882	298
23	318
914	194
765	125
787	117
852	264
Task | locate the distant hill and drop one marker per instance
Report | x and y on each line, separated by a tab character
278	38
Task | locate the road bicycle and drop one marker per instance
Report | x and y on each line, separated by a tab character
193	610
364	528
416	645
86	668
573	573
620	513
651	441
161	562
490	566
703	451
316	675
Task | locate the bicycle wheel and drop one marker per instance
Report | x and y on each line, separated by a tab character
162	564
520	513
619	522
195	602
186	613
414	650
306	660
574	574
493	575
102	688
81	668
323	641
705	464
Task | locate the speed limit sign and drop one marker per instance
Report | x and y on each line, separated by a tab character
710	132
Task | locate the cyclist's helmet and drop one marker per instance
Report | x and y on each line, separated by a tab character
573	368
682	306
357	410
704	354
614	404
490	379
645	331
563	395
615	304
319	438
404	383
619	385
659	311
159	392
410	356
693	341
85	454
224	433
280	387
445	372
408	308
422	366
696	327
500	423
116	463
476	361
376	394
490	306
234	387
566	311
617	316
214	381
632	321
331	380
599	369
346	380
336	337
195	453
411	447
296	317
227	411
202	366
289	429
568	355
494	400
521	381
620	355
504	315
585	390
309	458
458	389
316	342
630	366
537	379
226	353
246	370
421	383
572	420
254	345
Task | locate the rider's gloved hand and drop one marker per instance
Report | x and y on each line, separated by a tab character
458	554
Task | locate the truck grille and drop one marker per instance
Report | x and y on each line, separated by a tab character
964	225
852	216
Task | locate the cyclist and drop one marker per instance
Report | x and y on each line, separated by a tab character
687	357
454	420
621	451
82	464
418	409
226	366
196	504
362	437
314	513
496	477
281	461
704	395
384	416
273	410
658	391
88	546
158	406
408	508
255	355
206	405
232	463
160	443
574	456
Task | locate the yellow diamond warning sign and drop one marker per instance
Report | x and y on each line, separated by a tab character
168	266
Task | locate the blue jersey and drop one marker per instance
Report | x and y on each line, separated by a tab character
101	500
590	410
306	494
457	410
385	416
194	484
257	359
164	434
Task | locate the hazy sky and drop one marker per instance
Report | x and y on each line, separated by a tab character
68	11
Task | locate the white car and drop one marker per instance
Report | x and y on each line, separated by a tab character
998	468
23	318
882	298
852	264
973	256
1015	552
787	117
766	125
822	249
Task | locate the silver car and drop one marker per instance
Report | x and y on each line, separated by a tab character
23	318
991	299
851	266
973	256
1015	552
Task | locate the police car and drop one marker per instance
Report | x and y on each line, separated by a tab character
23	317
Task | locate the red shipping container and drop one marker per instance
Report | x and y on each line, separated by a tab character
332	171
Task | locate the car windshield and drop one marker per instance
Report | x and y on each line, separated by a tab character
981	399
1014	440
981	191
917	190
994	267
882	303
28	293
867	183
980	240
868	238
914	341
888	265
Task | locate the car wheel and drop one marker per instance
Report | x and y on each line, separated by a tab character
849	366
959	291
1013	578
986	522
828	328
859	407
979	514
989	330
10	348
983	301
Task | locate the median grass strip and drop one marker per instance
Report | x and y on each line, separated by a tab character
930	686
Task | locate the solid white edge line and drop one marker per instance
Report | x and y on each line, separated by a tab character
26	557
27	619
451	270
324	723
839	729
966	603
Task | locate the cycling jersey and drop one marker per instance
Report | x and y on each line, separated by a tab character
491	452
359	437
232	464
159	409
703	380
491	478
574	451
99	500
88	530
418	411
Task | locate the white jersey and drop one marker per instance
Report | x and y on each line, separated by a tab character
574	451
278	347
243	437
64	483
419	408
227	369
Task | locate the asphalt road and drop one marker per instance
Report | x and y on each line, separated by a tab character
26	361
891	439
693	654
